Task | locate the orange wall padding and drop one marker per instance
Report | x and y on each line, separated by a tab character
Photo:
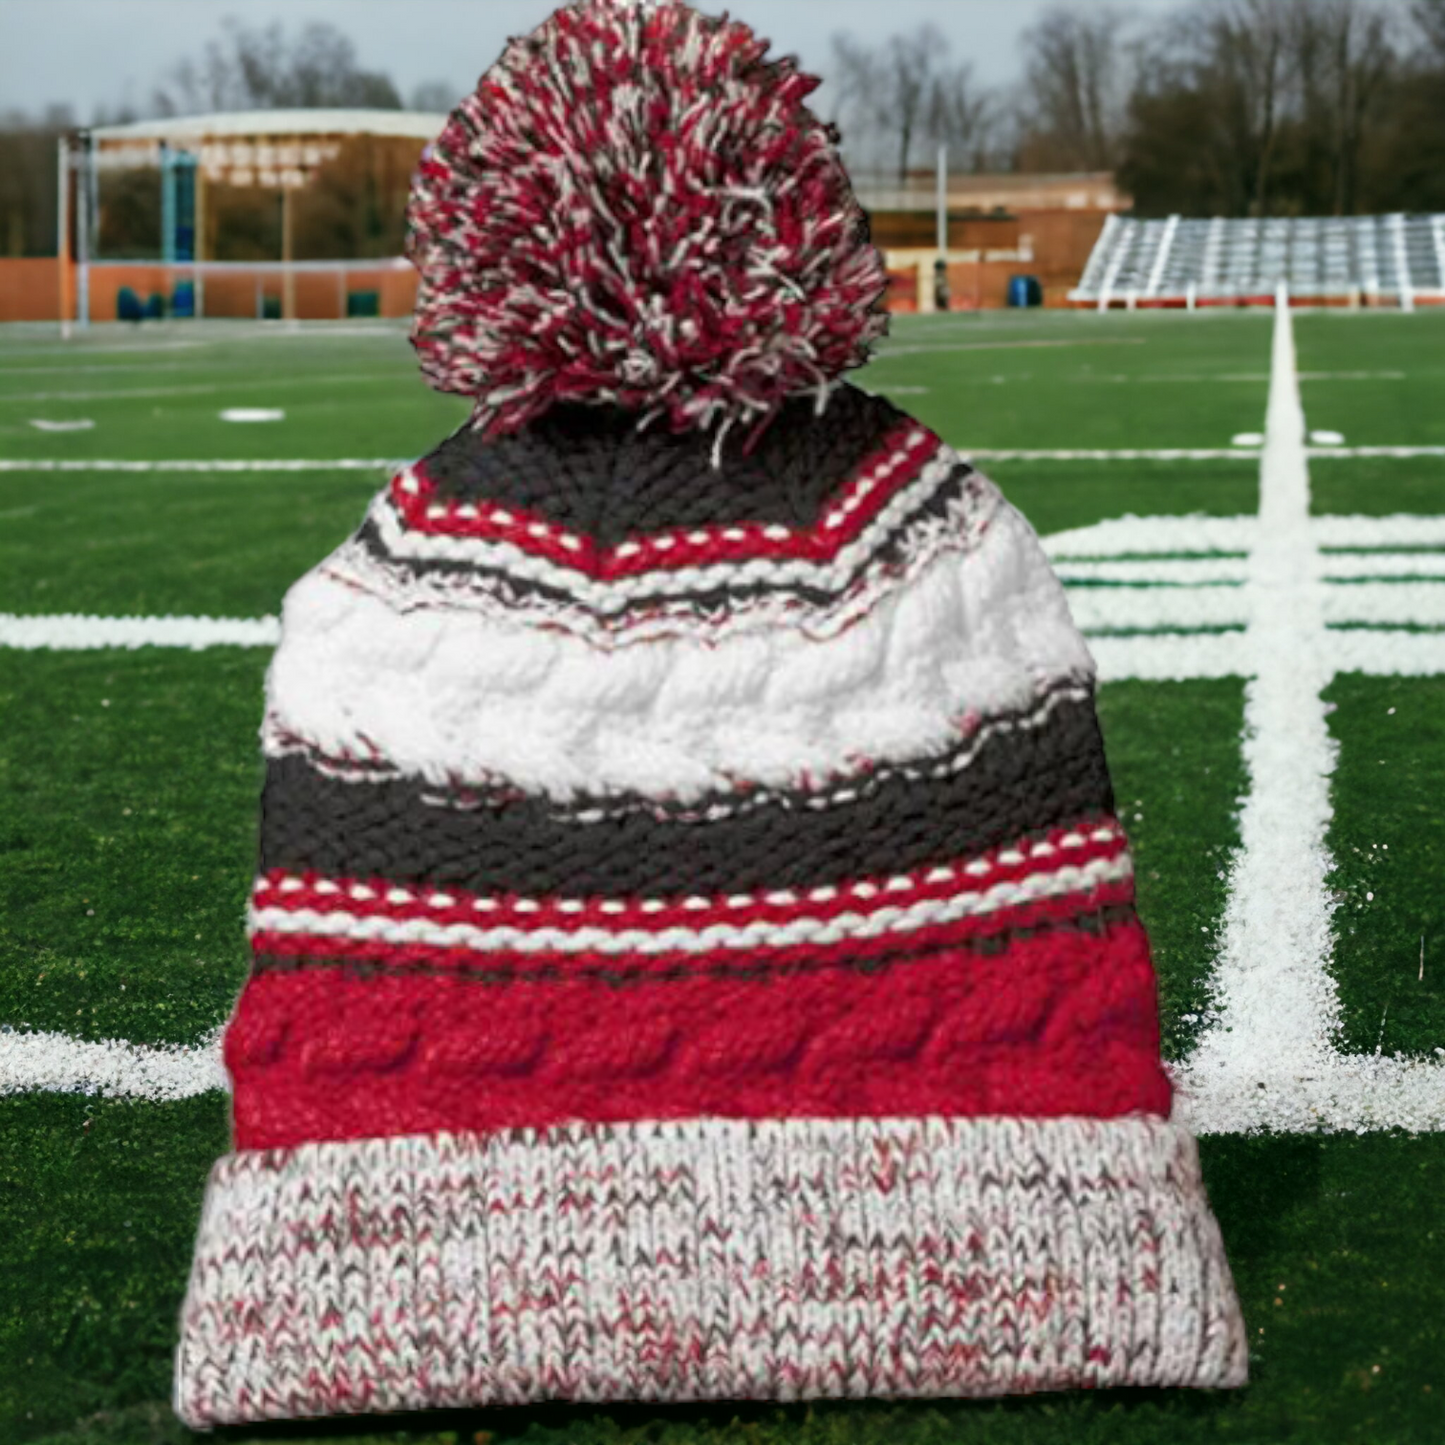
29	288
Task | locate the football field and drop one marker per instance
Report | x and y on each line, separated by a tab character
1248	512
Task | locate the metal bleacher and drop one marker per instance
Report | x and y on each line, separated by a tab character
1180	261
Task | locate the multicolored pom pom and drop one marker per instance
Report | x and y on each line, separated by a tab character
636	207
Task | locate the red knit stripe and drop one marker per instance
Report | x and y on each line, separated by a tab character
908	445
1057	1023
1061	848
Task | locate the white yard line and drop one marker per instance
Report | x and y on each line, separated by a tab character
1393	604
71	633
391	464
1268	1058
1098	609
1157	572
112	1068
213	464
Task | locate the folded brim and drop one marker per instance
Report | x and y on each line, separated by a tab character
705	1259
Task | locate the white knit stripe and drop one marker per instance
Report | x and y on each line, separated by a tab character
612	596
815	931
707	1259
735	804
448	694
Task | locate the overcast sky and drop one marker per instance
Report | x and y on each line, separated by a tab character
90	53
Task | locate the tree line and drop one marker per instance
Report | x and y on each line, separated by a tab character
1226	107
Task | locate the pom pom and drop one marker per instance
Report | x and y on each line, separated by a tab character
635	207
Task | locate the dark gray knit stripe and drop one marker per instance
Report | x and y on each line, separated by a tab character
513	587
588	469
1020	782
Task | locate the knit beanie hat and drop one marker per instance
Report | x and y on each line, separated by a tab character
694	950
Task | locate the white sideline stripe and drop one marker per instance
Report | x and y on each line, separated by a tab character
1148	657
221	464
112	1068
1140	536
1128	454
68	633
396	464
1097	609
1397	531
1430	451
1348	565
1162	571
1267	1058
1169	657
1389	654
1393	603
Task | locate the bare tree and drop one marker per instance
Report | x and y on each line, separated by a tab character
258	69
434	95
1343	60
1076	69
907	92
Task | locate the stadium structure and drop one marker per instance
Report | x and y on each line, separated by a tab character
282	151
1351	260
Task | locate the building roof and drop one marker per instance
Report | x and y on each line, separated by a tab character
1005	191
182	129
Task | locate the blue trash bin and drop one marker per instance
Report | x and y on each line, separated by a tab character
183	299
1025	291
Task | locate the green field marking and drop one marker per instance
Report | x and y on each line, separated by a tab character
1374	411
1178	773
97	1224
129	788
1387	839
217	544
1122	382
1377	486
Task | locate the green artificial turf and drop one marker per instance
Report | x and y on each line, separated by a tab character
344	396
1377	486
1387	839
1174	757
1335	1243
129	783
211	544
1384	376
1080	381
1056	496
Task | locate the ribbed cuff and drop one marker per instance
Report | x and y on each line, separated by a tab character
705	1259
